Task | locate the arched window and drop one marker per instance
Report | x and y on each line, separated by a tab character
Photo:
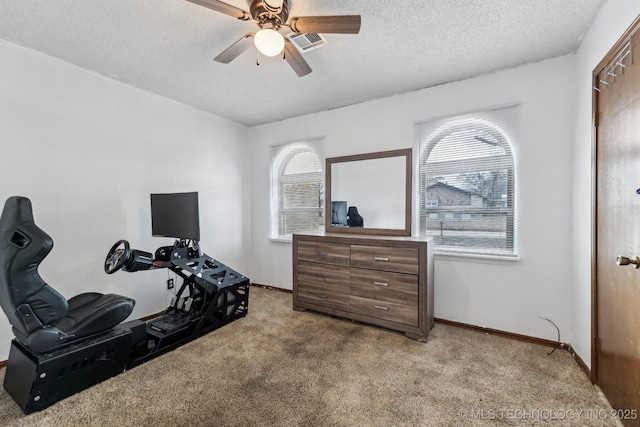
297	196
467	182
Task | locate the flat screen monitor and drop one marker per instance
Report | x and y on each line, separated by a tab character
175	215
338	213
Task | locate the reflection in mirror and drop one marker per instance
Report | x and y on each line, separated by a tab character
375	186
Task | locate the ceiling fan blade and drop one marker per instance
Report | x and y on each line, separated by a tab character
340	24
295	59
235	49
222	7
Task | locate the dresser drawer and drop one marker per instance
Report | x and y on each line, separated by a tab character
329	287
388	286
400	313
402	260
326	253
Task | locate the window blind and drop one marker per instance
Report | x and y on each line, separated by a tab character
297	188
467	177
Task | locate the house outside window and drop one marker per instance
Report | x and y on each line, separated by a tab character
297	189
467	182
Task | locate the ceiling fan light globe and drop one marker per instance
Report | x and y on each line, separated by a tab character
269	42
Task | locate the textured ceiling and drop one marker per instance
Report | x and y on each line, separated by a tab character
167	47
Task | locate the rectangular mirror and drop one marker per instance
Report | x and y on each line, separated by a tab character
369	193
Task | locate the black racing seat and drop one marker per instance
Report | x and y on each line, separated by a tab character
41	318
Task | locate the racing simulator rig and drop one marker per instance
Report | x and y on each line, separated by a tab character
63	346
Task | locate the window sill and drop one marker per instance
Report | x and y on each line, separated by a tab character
281	240
453	254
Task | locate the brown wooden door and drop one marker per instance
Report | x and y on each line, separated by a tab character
616	363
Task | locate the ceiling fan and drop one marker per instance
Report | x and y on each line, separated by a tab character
271	16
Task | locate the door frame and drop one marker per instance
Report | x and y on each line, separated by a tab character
608	58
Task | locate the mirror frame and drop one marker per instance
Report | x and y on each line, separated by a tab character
407	153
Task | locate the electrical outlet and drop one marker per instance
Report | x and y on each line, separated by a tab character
170	284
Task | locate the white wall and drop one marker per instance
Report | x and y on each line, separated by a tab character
503	295
612	21
88	150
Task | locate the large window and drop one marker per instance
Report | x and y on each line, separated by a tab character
467	182
297	189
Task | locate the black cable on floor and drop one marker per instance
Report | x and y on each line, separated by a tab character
558	343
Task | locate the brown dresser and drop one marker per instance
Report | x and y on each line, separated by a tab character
384	281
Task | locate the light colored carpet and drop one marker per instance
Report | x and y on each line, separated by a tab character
280	367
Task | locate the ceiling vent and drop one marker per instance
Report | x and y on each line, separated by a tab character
308	41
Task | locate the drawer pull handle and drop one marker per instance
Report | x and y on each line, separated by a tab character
380	284
381	307
379	258
323	253
322	275
322	296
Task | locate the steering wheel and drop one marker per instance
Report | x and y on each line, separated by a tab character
117	256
